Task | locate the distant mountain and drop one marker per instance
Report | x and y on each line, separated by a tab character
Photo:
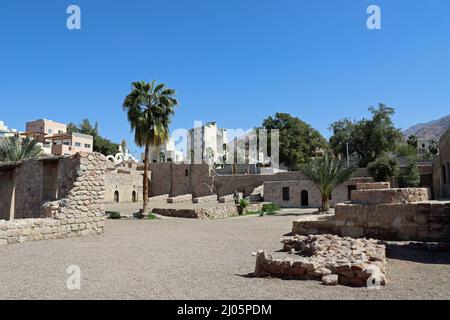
432	130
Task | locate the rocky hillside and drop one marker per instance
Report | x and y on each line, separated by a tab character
429	131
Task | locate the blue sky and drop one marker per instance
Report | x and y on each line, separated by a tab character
233	61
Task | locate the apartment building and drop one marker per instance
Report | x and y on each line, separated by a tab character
55	140
206	140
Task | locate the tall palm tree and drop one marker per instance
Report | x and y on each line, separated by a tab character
12	149
326	173
149	108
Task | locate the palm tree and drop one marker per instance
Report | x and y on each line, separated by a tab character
326	173
149	108
12	149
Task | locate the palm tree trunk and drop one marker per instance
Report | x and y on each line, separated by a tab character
145	182
325	204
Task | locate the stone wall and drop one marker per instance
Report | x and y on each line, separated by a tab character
304	193
180	179
398	195
441	169
78	209
123	184
334	260
414	221
218	212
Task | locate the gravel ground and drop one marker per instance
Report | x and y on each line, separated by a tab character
192	259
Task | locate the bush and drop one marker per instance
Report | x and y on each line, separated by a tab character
383	169
152	216
113	215
270	208
409	177
244	203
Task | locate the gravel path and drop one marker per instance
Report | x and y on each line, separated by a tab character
191	259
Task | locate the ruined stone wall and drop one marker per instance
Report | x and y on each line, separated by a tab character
273	192
79	209
395	219
219	212
180	179
124	185
398	195
441	166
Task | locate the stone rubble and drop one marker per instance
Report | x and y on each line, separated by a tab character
325	257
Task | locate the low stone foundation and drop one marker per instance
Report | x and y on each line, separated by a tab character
19	231
227	198
180	199
329	258
427	221
219	212
205	199
386	214
162	197
379	196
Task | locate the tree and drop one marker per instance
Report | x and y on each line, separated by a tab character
405	150
326	173
367	138
409	176
102	145
434	148
383	168
124	146
12	149
412	141
149	108
298	140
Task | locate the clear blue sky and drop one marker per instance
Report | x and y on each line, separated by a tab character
233	61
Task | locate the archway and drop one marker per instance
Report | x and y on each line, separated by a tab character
304	198
116	196
133	197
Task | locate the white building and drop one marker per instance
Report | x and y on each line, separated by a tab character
164	153
206	142
6	132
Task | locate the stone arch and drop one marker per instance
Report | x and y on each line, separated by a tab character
304	198
116	196
133	196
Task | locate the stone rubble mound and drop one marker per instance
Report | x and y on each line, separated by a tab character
329	258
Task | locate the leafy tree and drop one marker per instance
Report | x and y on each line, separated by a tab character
327	173
383	168
342	134
13	149
405	150
102	145
434	148
412	141
149	108
409	176
298	140
368	138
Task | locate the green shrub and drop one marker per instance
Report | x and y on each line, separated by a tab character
383	169
113	215
152	216
244	203
409	177
270	208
